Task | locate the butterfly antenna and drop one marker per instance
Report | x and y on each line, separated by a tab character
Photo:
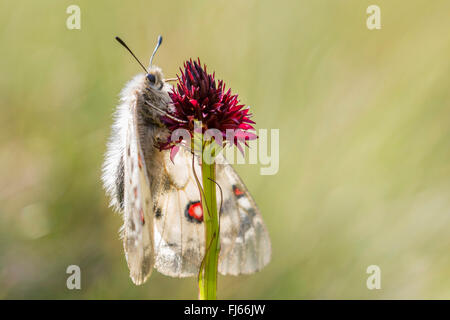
156	49
129	50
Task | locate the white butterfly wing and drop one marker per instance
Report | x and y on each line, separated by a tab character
244	240
179	235
138	222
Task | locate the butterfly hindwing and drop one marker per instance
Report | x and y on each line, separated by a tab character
179	236
179	229
245	242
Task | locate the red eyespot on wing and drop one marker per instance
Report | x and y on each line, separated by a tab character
237	192
194	211
141	214
139	161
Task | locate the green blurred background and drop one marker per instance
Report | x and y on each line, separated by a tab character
364	119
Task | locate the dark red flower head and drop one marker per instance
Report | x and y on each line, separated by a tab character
197	97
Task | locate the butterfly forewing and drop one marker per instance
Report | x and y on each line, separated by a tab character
138	219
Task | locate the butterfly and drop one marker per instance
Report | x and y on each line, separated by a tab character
159	199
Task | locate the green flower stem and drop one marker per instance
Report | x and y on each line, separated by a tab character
208	270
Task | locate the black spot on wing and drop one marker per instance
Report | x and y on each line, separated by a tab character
146	265
251	212
245	224
166	183
172	244
158	213
227	206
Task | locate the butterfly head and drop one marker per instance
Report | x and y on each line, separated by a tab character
154	78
